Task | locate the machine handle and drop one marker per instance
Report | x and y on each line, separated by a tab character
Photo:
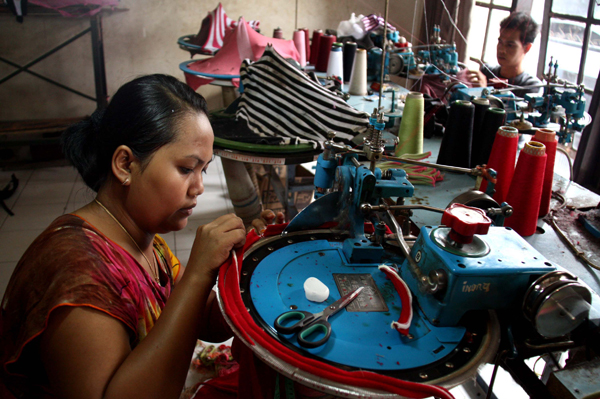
464	222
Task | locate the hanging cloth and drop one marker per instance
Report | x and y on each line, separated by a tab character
280	100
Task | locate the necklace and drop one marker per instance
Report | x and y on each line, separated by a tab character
155	268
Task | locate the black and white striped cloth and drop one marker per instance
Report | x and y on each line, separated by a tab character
280	100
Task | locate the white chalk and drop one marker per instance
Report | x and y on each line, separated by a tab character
315	290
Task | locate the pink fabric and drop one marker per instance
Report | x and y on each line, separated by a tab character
220	24
241	43
59	4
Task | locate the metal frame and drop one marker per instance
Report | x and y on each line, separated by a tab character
95	29
589	20
491	6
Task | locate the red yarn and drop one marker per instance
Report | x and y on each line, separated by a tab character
307	43
550	141
324	49
525	190
502	160
314	49
236	310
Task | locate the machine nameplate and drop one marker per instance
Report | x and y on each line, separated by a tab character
369	300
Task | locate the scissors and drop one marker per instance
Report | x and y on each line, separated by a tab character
308	324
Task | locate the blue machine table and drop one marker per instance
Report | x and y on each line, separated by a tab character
464	289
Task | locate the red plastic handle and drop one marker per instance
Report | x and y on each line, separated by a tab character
465	221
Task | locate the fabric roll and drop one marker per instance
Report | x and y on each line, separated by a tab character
300	44
315	46
325	43
549	139
348	59
502	160
358	78
455	149
525	191
484	141
410	133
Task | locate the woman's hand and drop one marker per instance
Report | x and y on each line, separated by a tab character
214	242
476	78
266	218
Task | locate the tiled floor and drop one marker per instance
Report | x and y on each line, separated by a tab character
46	193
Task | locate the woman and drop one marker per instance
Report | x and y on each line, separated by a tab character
80	318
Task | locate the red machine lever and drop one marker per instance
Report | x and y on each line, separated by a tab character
465	221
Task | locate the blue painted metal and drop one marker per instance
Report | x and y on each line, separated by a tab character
571	99
358	339
441	59
497	280
462	92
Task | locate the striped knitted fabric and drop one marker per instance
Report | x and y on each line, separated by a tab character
372	22
280	100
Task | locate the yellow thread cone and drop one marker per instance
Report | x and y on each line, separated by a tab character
410	133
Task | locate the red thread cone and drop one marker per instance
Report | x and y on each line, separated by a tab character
502	160
324	49
525	190
314	49
548	138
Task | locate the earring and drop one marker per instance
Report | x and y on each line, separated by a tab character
126	181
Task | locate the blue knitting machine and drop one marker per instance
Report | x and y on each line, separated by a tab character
472	281
560	102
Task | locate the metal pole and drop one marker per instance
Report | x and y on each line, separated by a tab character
387	2
98	56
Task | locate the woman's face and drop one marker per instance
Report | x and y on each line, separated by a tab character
165	191
510	51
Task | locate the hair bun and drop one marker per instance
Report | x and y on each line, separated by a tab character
96	119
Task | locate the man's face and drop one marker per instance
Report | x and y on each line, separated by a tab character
510	51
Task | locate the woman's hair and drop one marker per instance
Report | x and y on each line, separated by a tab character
144	115
522	22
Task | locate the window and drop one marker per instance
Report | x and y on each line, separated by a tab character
485	25
570	34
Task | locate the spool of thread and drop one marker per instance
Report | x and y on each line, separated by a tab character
325	44
300	44
525	191
335	66
482	145
348	59
277	33
502	160
314	50
481	105
410	133
455	149
358	78
548	138
306	42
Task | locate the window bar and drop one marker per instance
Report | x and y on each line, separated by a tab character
485	36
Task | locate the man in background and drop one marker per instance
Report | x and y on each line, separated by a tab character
517	33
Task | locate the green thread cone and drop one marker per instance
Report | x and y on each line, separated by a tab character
410	133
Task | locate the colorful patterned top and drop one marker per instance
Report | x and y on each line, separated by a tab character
73	264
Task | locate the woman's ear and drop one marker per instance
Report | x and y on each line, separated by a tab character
121	164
